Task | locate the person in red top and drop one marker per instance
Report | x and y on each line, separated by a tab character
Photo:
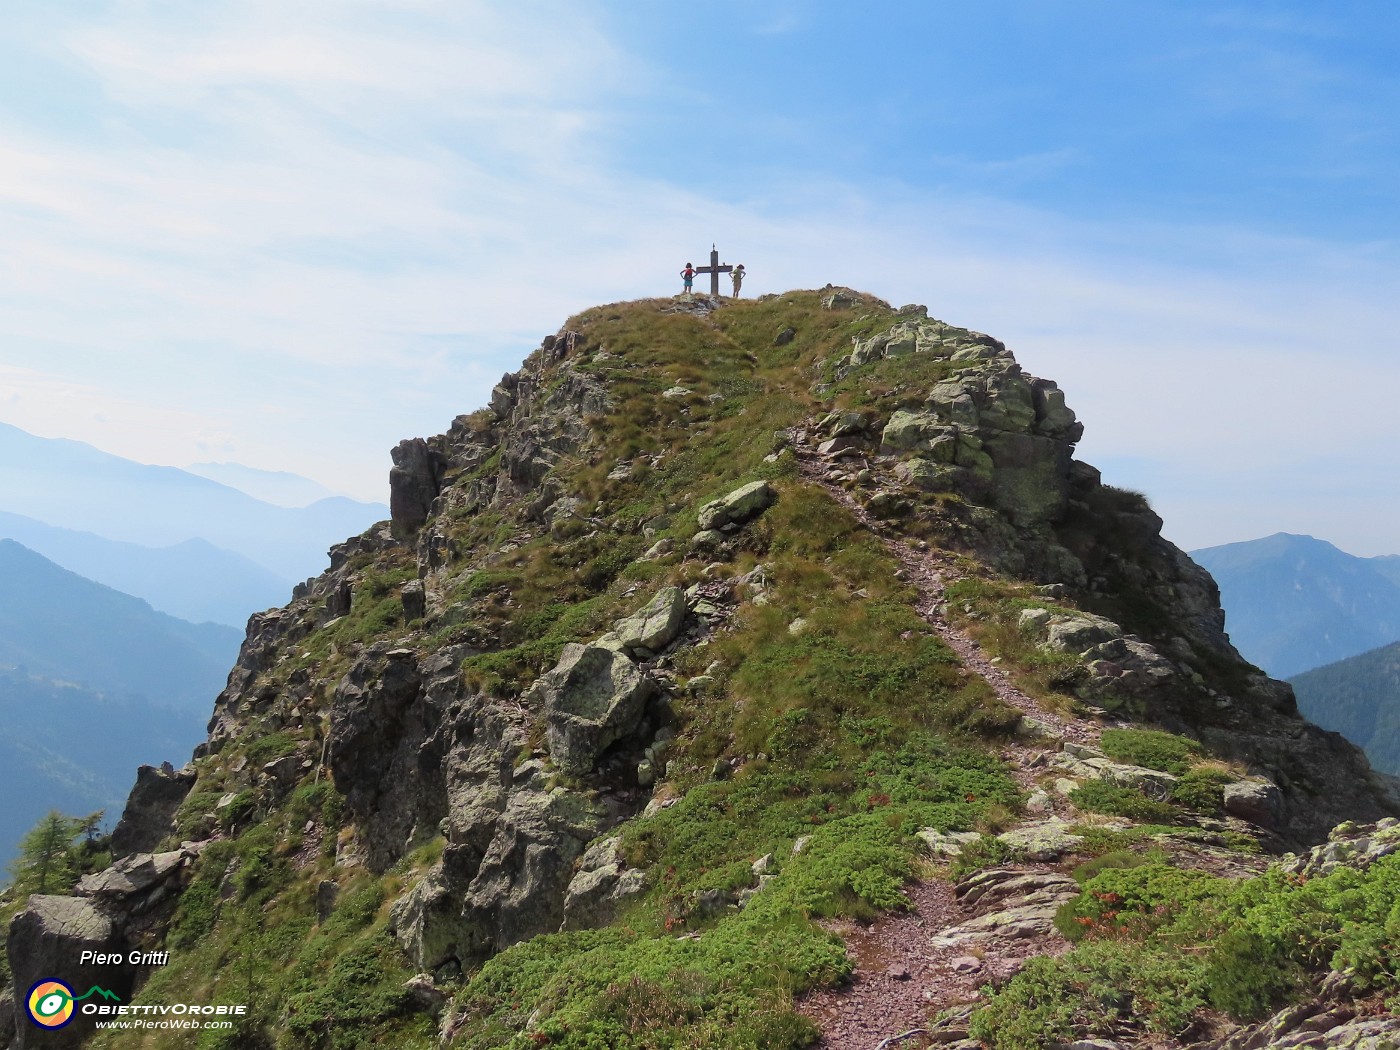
688	274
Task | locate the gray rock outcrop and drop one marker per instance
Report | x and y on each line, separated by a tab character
47	939
414	482
150	809
474	903
592	698
1314	1026
601	887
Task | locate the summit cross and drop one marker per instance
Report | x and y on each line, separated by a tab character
714	270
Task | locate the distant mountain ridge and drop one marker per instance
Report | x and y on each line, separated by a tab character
93	682
75	486
193	580
1295	602
58	625
1358	697
278	487
46	763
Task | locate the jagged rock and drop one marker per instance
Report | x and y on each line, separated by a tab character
47	939
656	624
414	600
133	875
1042	840
843	424
369	711
1013	903
1313	1025
150	809
1257	801
475	902
414	482
784	336
737	507
503	397
593	697
1350	845
600	888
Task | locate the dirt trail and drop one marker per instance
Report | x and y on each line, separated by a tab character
930	571
902	979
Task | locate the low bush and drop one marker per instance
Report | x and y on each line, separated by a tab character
1102	796
1151	748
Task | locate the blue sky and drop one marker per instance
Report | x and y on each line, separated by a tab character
291	234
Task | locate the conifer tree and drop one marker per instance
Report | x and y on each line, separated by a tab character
46	863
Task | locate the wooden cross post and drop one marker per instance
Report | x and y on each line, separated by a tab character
714	270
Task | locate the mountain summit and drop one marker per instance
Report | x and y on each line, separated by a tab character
726	628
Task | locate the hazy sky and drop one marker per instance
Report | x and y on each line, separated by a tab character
290	233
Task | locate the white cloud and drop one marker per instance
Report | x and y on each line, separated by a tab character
310	230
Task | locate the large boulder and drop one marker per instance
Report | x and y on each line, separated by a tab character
738	506
656	624
47	940
1258	801
592	698
150	809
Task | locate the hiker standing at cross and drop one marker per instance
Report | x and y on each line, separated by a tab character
714	270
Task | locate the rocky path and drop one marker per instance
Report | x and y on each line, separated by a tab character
930	570
914	964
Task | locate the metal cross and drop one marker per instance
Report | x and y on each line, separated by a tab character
714	270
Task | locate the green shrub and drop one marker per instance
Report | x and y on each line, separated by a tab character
1118	858
1102	796
1201	790
1151	748
1096	990
1135	899
1248	975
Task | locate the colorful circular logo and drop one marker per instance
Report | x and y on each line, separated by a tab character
50	1004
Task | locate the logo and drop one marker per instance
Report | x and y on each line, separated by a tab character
51	1002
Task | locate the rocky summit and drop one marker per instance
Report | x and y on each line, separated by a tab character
747	674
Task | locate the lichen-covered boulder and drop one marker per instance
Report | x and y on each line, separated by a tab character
656	624
1075	634
592	698
1042	840
738	506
